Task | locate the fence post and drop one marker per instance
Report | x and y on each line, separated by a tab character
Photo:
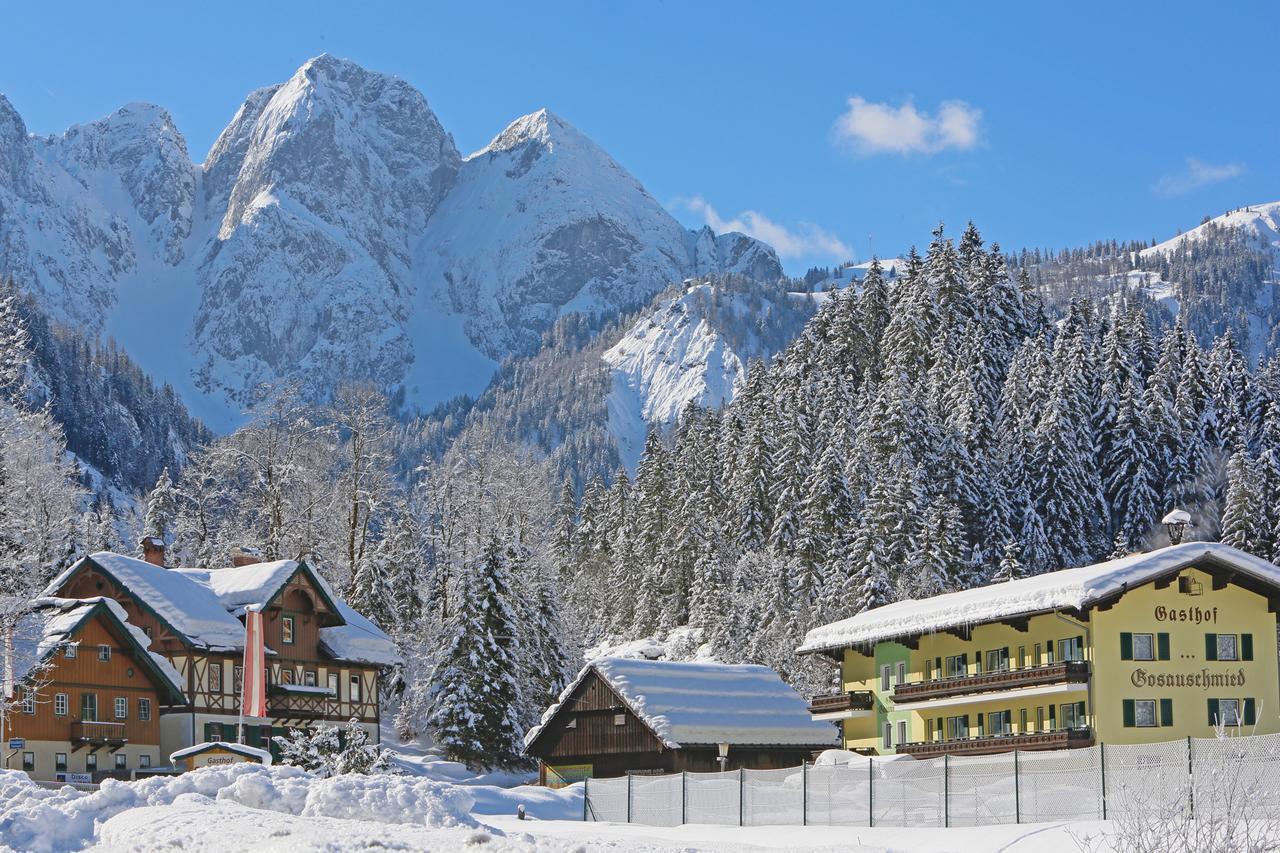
1102	765
1018	794
742	794
629	777
684	797
946	789
804	793
585	783
871	792
1191	788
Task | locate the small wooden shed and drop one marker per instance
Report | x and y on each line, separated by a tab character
622	716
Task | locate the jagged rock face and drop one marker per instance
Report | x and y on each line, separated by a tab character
543	221
140	147
55	238
332	224
326	178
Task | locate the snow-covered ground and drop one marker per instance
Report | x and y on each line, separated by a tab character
248	807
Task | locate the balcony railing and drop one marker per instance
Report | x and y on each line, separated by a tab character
1071	671
101	734
836	703
989	744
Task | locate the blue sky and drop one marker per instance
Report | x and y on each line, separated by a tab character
824	127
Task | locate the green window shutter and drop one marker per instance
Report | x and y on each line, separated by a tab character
1166	712
1126	645
208	732
1250	714
1210	646
1162	646
1213	712
1080	645
1246	647
1053	716
1128	714
937	664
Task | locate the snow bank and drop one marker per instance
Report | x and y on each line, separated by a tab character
40	819
391	799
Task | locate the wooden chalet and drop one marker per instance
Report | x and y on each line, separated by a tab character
623	716
88	694
323	659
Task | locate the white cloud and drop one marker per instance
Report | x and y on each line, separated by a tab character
805	240
873	128
1197	174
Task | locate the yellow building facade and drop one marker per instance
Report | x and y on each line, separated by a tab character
1152	647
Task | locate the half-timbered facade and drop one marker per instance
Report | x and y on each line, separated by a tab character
323	659
622	716
88	693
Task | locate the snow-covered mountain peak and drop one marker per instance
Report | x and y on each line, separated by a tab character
139	149
335	232
543	128
1258	222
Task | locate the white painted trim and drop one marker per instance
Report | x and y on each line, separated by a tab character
842	715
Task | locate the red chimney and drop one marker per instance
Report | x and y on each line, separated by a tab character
153	550
245	556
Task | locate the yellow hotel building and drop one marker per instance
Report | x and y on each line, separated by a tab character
1151	647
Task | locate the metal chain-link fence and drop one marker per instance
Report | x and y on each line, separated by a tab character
1198	777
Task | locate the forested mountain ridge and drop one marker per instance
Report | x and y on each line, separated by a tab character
113	416
927	433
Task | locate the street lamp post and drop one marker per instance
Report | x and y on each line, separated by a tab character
1176	524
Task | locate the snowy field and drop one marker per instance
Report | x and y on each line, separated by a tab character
248	807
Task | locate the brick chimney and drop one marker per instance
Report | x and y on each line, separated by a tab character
245	556
153	550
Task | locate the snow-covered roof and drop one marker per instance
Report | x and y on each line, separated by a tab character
1063	589
359	640
705	703
204	604
52	622
178	600
261	755
238	587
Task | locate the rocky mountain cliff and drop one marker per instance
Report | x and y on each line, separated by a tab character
334	231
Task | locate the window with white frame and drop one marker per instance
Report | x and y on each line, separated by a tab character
1144	711
60	761
902	731
888	735
354	687
1144	647
144	761
1227	649
902	672
60	704
886	673
956	665
28	701
1229	711
69	651
144	708
215	676
104	653
91	762
619	719
309	678
286	629
29	762
122	761
122	708
958	727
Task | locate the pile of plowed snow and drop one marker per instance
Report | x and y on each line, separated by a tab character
41	819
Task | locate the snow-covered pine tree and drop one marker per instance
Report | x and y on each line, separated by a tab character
475	696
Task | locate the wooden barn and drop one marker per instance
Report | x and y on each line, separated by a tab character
623	716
